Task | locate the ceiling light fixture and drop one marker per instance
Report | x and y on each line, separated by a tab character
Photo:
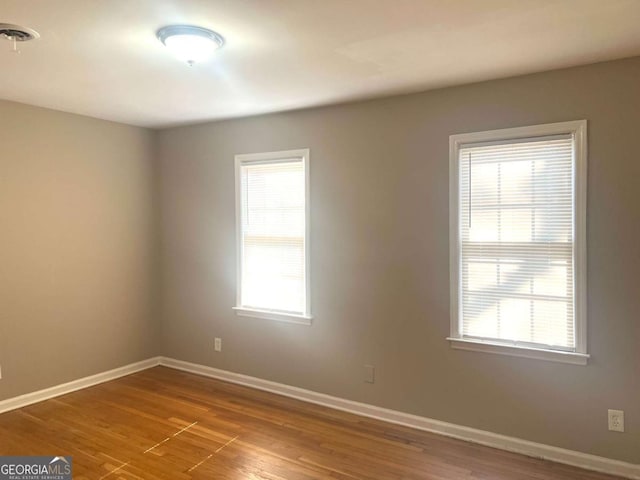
16	33
189	43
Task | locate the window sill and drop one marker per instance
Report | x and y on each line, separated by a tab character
277	316
519	351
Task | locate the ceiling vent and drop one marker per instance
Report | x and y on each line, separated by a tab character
16	33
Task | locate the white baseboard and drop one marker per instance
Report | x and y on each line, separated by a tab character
511	444
503	442
47	393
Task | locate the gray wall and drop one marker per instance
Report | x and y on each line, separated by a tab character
77	245
379	236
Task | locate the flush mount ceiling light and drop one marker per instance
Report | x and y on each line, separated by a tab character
189	43
16	33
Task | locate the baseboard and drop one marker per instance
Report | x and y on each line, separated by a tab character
503	442
47	393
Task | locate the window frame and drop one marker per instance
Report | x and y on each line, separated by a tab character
578	130
273	157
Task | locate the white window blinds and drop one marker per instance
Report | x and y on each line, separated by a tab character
272	211
516	246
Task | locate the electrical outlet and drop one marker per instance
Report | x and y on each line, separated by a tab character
0	372
217	344
616	420
369	374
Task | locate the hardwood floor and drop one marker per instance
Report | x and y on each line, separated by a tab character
166	424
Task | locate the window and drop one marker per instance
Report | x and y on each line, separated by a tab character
518	207
272	214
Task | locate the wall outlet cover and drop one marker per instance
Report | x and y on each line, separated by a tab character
616	420
369	374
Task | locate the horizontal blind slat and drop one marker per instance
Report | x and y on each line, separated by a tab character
273	235
516	250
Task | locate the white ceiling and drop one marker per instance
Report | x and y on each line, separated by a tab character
101	57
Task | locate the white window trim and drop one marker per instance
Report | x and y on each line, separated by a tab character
578	129
241	159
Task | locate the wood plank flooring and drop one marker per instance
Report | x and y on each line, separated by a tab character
166	424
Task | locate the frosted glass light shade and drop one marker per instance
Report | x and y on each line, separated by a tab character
190	44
